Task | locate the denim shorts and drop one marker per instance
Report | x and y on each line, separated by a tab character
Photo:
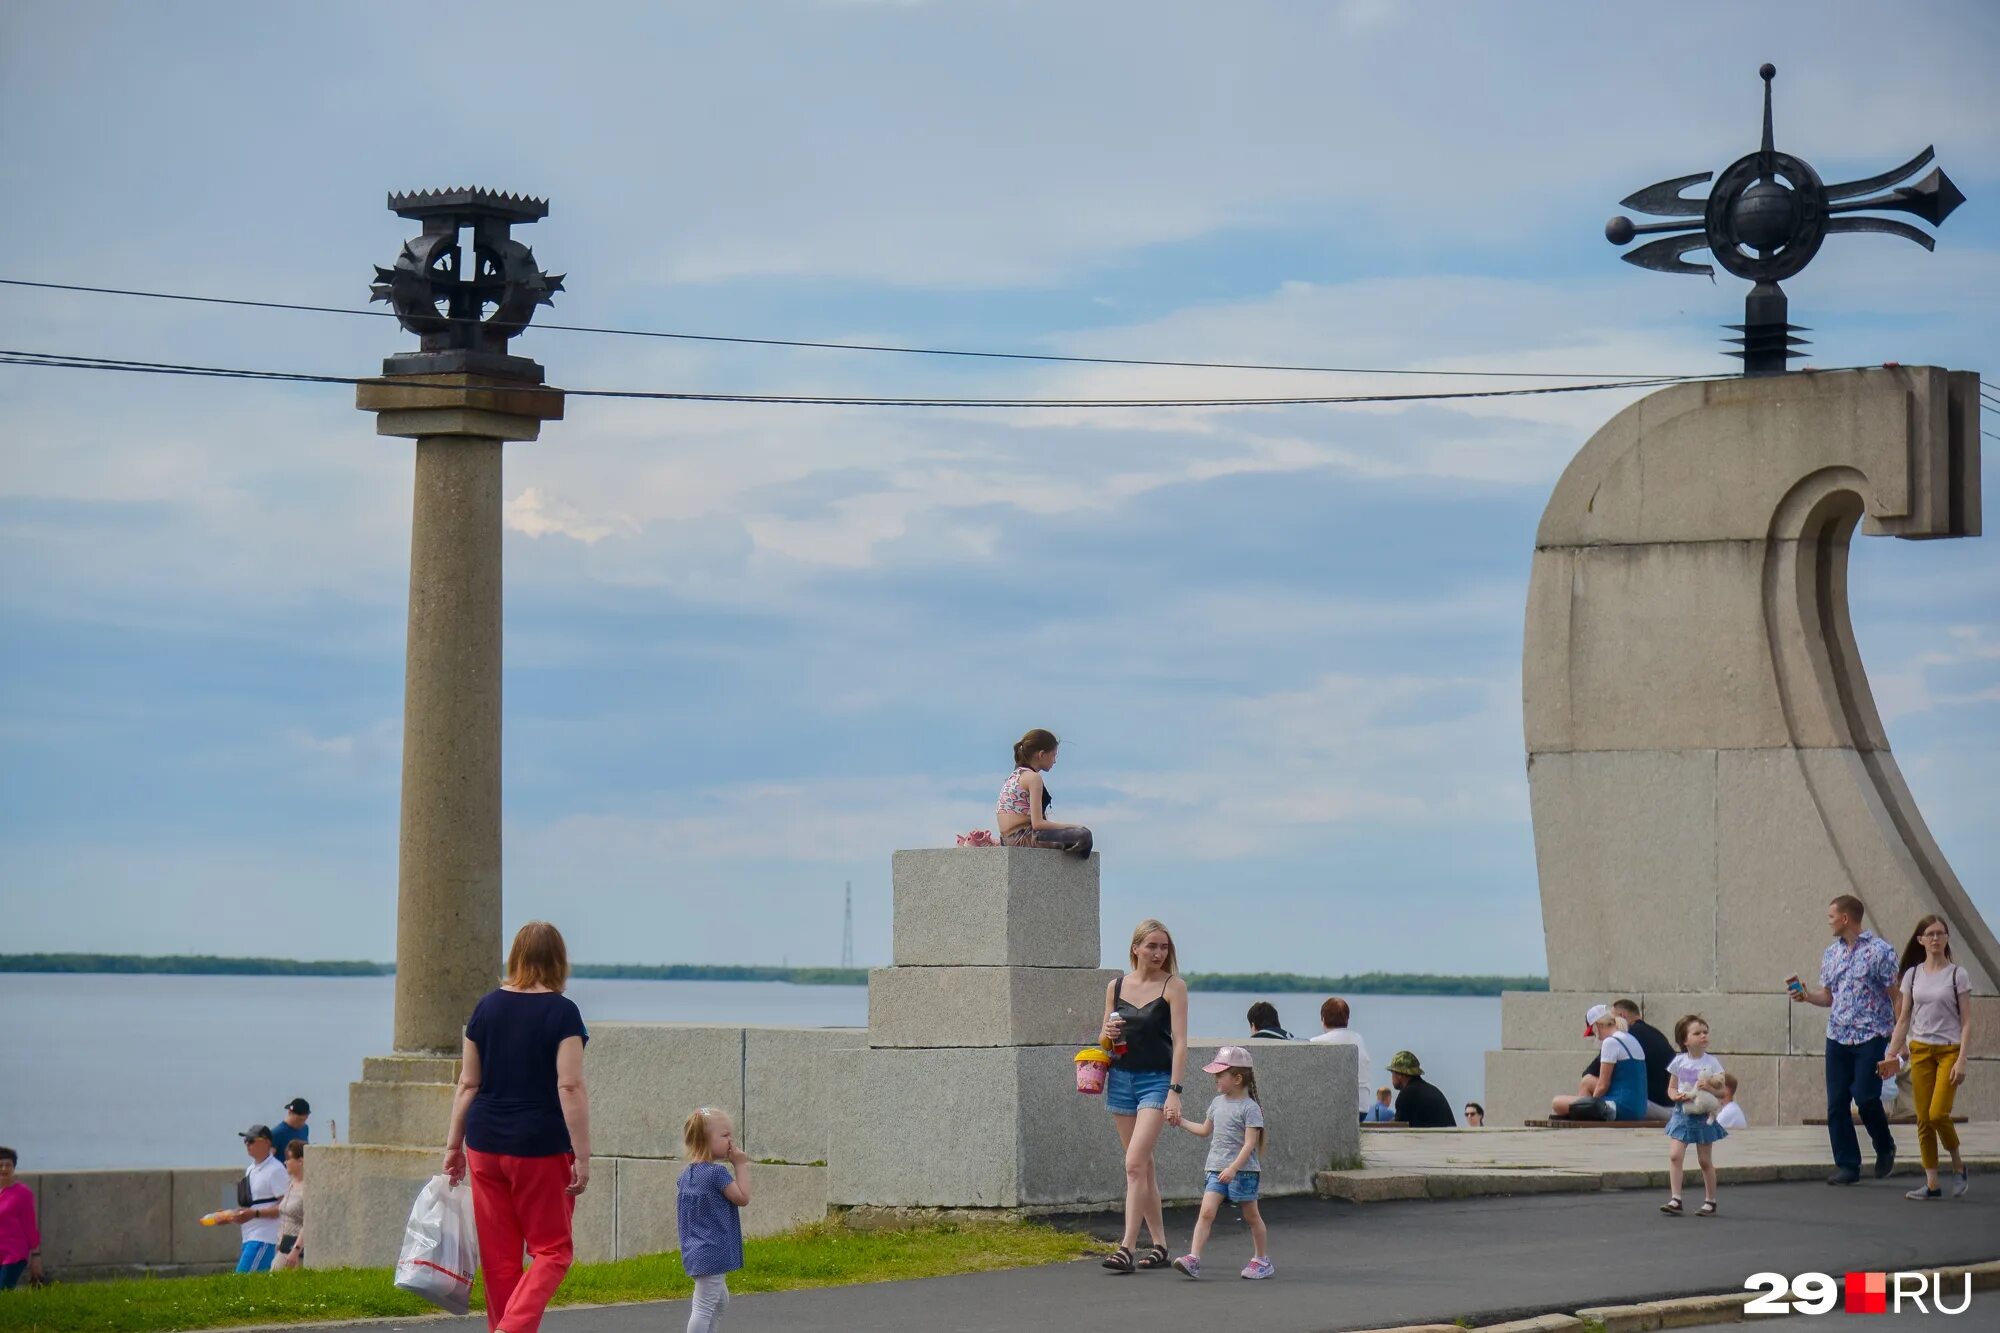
1243	1189
1126	1091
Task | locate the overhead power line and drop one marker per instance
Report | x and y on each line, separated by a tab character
847	346
68	361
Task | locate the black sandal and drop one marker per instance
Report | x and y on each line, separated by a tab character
1119	1260
1154	1256
1672	1207
1707	1209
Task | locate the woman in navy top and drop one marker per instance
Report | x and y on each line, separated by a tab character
520	1125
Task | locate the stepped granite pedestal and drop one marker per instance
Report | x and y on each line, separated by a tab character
965	1096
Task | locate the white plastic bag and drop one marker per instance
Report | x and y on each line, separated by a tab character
440	1246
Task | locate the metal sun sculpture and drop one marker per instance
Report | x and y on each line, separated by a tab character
1764	219
464	314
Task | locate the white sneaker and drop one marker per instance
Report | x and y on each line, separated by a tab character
1258	1268
1961	1181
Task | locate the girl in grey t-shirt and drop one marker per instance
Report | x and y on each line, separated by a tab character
1235	1131
1931	1028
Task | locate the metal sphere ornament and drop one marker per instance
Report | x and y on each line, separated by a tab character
1764	219
465	299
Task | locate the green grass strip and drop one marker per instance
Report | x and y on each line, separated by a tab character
827	1255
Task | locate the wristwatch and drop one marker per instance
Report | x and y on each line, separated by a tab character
1174	1088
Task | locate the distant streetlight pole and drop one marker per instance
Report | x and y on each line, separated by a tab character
460	397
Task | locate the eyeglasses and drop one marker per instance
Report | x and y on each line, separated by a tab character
1935	935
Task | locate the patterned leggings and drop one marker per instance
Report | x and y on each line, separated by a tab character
1075	841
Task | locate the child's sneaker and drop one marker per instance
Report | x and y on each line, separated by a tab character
1188	1264
1258	1268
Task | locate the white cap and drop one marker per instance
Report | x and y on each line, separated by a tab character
1598	1013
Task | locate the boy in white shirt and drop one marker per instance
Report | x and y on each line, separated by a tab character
1731	1115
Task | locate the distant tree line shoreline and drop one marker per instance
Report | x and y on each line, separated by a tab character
1256	983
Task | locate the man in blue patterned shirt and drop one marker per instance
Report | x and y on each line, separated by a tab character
1857	981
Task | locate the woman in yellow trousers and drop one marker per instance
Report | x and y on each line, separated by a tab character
1933	1027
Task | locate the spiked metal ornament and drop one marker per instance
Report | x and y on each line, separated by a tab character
1764	219
463	313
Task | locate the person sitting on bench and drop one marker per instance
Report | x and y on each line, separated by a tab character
1659	1054
1620	1089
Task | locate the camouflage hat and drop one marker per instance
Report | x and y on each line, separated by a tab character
1403	1062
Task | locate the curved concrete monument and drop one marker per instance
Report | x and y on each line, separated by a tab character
1706	764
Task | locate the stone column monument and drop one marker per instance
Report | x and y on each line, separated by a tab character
1706	765
465	286
460	397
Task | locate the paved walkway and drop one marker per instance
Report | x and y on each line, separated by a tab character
1343	1266
1457	1163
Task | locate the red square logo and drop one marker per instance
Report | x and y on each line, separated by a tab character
1867	1293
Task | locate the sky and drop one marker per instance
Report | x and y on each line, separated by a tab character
753	649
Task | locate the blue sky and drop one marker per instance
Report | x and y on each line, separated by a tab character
751	650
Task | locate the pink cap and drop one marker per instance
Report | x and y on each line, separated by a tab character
1229	1057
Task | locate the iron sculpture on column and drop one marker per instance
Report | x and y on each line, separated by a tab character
1764	219
465	286
436	298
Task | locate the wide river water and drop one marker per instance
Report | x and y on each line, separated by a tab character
136	1071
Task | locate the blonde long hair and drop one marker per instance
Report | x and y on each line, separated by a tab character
1140	932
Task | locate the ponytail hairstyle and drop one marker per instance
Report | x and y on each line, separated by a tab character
1914	952
1250	1091
1033	744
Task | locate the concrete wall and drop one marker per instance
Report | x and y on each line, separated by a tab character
644	1078
1004	1127
360	1194
98	1224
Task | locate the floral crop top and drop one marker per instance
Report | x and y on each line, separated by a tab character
1013	796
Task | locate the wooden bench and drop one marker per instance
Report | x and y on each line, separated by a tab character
1595	1124
1894	1119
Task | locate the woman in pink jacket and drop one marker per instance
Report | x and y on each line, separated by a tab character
20	1236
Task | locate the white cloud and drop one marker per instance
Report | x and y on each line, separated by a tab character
538	515
1910	688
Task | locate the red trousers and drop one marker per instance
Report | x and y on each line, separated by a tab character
521	1203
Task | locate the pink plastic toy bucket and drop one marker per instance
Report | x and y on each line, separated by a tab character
1093	1067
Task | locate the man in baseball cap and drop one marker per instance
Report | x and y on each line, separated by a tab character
257	1194
293	1126
1418	1104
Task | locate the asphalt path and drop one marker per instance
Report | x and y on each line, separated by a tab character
1355	1266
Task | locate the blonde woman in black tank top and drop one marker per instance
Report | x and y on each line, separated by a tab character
1146	1011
